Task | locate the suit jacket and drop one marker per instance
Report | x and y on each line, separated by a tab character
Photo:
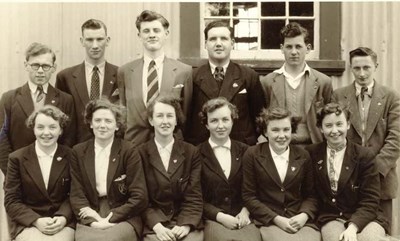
241	87
176	80
318	93
221	194
127	196
357	197
16	106
382	131
264	193
175	196
26	198
73	81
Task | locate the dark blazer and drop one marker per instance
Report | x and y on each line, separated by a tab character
357	198
318	93
26	198
176	80
73	81
174	196
241	87
382	131
127	197
219	193
16	106
267	197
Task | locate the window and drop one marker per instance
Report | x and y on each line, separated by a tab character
257	25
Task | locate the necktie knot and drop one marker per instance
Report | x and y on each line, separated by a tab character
364	90
95	69
152	64
40	93
219	75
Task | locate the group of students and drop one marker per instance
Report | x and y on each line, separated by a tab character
273	158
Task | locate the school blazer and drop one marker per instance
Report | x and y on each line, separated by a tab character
15	107
126	187
221	194
73	81
318	92
382	131
175	195
357	198
266	196
176	81
241	86
26	198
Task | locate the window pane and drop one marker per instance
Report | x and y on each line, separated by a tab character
301	9
245	9
270	37
309	25
246	34
272	9
216	9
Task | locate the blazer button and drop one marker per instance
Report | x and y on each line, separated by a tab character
171	211
226	199
285	209
282	189
333	200
340	214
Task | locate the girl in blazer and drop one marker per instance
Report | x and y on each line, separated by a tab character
172	169
108	190
278	187
221	178
38	182
347	182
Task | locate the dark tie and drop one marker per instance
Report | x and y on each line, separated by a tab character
331	173
219	75
152	83
95	84
364	90
40	93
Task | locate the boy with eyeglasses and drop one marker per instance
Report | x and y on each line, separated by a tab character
17	104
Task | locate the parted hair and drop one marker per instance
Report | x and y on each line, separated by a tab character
277	113
171	100
149	16
214	104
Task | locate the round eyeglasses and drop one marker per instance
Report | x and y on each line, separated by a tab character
45	67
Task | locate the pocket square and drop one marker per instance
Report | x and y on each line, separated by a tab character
178	86
243	91
122	177
115	93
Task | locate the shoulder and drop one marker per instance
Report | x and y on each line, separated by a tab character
201	69
390	92
185	145
81	146
69	70
10	94
323	78
20	152
239	145
111	66
300	151
244	69
130	64
62	94
266	79
179	64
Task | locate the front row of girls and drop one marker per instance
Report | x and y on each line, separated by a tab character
169	190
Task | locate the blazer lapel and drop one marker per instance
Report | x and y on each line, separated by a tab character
177	158
235	161
355	118
375	109
311	88
88	161
52	96
322	166
155	159
294	166
136	85
109	80
207	83
32	166
347	167
211	161
168	76
113	162
278	87
57	167
231	83
80	83
266	161
24	99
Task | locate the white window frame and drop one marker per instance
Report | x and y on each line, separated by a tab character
264	54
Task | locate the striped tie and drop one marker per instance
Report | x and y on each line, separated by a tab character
152	83
40	93
219	75
95	84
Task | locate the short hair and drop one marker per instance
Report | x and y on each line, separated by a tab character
171	100
103	103
93	24
36	49
363	51
149	16
331	108
50	111
217	24
214	104
277	113
294	29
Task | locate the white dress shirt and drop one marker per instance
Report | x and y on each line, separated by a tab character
281	162
223	155
165	152
294	82
45	161
337	161
159	68
89	72
101	161
34	92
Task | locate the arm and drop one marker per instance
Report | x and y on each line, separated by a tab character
121	86
69	133
309	205
5	145
256	96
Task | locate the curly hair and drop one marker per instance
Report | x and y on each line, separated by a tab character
149	16
50	111
294	29
277	113
214	104
173	101
331	108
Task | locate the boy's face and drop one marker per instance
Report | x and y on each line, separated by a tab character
295	50
153	35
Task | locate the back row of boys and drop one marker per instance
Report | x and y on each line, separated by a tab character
295	86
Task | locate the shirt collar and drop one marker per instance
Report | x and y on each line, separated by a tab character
213	66
284	155
159	60
89	67
168	147
41	153
370	88
97	146
226	145
282	70
33	87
